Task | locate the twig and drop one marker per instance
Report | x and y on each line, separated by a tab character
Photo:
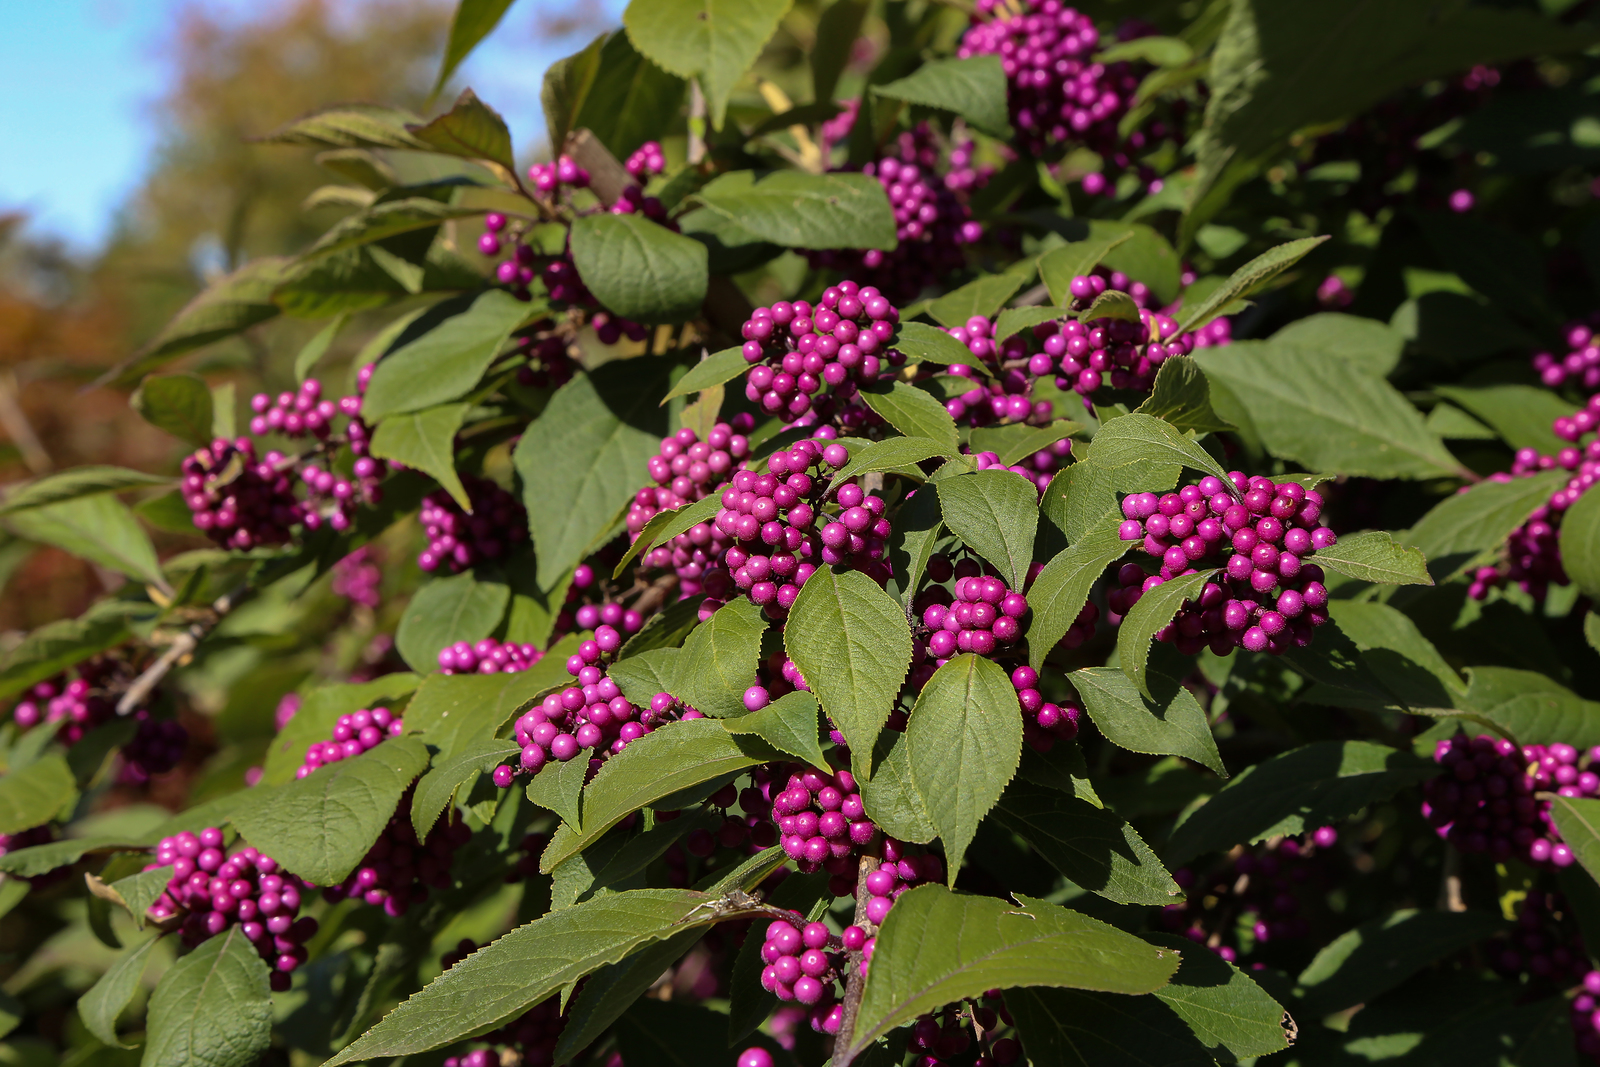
607	176
1450	898
19	429
183	645
855	981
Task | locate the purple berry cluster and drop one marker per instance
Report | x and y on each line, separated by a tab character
646	162
353	734
1533	551
1057	94
155	748
1581	365
238	501
358	578
298	414
932	220
795	349
488	656
773	520
549	354
685	469
944	1038
986	614
80	705
1043	723
1038	468
823	825
590	613
1257	534
594	714
1486	800
213	892
398	870
456	540
1544	945
1263	890
1334	294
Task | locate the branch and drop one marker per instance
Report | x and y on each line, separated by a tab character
182	646
607	176
854	981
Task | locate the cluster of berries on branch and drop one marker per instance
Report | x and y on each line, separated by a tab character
1255	534
795	349
211	892
1256	896
1581	365
488	656
456	540
1486	801
88	701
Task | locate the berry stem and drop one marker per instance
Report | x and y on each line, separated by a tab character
182	647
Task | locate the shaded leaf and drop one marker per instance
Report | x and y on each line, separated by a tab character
474	20
1295	792
1579	824
1151	615
1381	953
1182	396
984	296
1366	344
471	129
629	101
1071	1028
1224	1007
1477	520
436	788
1580	544
889	796
665	525
35	794
1248	279
558	787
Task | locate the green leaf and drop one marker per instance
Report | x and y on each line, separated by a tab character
227	306
452	711
100	529
665	525
639	269
799	210
899	454
788	724
1295	792
917	528
996	514
660	1033
1182	396
1382	953
1579	824
914	412
937	947
628	102
1366	344
1075	259
386	219
1111	304
1172	723
1151	614
1018	441
852	644
474	20
616	988
36	794
1520	414
889	796
443	355
1145	439
350	126
715	41
1323	414
74	484
718	661
471	129
1375	557
1580	544
425	441
447	610
319	713
180	404
837	31
320	826
1162	51
1093	847
1070	1028
316	348
587	451
1223	1006
1249	279
1501	265
669	760
711	371
138	891
566	88
974	89
110	996
985	296
501	980
1014	320
1531	707
1057	596
1406	662
1080	497
930	344
642	676
963	743
212	1008
558	787
1463	525
436	788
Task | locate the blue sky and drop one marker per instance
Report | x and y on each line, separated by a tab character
78	79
